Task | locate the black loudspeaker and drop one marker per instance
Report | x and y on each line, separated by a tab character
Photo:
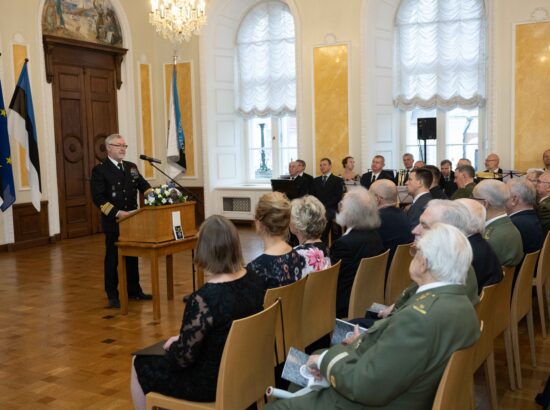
426	129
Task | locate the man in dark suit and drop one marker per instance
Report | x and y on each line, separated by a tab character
304	181
491	164
328	189
377	172
447	180
436	190
359	215
418	187
408	164
114	185
543	204
520	209
395	228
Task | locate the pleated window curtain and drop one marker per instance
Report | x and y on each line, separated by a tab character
440	54
266	62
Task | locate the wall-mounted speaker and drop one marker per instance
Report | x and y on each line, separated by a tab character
426	128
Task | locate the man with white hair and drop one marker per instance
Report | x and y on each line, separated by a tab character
358	213
543	206
399	362
520	209
500	232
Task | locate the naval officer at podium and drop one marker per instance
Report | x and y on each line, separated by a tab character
115	183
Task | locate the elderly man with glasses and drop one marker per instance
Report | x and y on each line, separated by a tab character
114	184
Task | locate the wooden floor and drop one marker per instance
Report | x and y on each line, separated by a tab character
61	349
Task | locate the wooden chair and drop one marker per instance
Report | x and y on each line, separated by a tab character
484	350
398	275
368	285
289	332
522	306
501	325
455	391
541	282
319	307
246	368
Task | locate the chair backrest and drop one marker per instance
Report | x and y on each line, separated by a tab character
246	368
455	391
368	285
486	313
398	275
503	300
319	307
521	296
291	297
543	267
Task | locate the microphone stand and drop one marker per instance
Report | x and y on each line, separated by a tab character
187	191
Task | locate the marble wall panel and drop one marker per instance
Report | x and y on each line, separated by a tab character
146	117
19	55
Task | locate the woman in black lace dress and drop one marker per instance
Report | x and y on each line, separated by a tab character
279	265
189	370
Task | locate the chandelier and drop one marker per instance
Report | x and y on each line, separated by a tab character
177	20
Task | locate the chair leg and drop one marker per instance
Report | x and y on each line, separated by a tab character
540	300
531	332
509	357
490	377
515	348
546	287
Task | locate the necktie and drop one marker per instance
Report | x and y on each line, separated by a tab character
373	178
324	179
119	165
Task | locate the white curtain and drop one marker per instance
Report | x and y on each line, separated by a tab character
440	54
266	62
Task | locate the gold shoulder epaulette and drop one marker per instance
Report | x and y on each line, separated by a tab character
424	302
106	208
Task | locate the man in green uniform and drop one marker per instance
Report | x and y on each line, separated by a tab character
398	363
464	178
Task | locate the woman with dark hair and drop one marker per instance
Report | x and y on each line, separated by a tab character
189	369
348	163
279	265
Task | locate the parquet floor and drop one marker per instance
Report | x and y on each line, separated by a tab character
61	349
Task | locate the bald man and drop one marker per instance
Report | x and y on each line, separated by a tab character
492	165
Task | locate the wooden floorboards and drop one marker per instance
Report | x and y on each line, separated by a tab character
61	349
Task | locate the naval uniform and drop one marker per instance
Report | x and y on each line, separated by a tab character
115	190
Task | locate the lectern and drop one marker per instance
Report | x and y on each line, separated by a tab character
148	232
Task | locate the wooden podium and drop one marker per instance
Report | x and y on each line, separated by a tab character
148	232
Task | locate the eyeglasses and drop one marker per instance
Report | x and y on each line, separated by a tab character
482	201
119	145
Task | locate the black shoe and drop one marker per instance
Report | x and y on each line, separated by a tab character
140	296
114	303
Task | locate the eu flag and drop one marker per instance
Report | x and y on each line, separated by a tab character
7	187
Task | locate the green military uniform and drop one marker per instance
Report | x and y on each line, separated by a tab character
465	192
471	290
399	362
505	239
543	212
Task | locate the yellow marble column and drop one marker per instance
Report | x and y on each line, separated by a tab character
330	70
19	55
532	99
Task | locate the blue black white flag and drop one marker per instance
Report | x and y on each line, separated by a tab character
175	149
22	127
7	186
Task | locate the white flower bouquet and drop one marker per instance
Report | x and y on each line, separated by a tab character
166	194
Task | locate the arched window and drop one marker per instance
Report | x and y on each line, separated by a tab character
439	71
266	88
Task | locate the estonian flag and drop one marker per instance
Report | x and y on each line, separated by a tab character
175	150
22	127
7	187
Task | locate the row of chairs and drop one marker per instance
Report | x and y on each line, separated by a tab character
501	308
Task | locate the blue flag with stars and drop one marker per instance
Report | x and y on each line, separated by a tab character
7	187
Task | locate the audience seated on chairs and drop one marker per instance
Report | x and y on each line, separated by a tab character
394	228
447	181
189	369
485	263
464	179
359	215
279	265
399	362
520	209
543	204
307	222
500	232
418	187
436	190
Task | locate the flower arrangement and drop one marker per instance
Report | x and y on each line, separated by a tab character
166	194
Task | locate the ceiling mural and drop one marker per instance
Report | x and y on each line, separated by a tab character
87	20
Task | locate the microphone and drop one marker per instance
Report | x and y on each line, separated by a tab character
150	159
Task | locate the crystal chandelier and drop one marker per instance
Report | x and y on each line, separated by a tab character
177	20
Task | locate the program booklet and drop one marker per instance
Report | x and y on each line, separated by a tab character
297	372
343	330
154	350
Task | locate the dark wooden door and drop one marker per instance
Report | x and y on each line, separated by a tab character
85	112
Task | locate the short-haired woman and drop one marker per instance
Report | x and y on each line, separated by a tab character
307	222
189	369
349	175
279	265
